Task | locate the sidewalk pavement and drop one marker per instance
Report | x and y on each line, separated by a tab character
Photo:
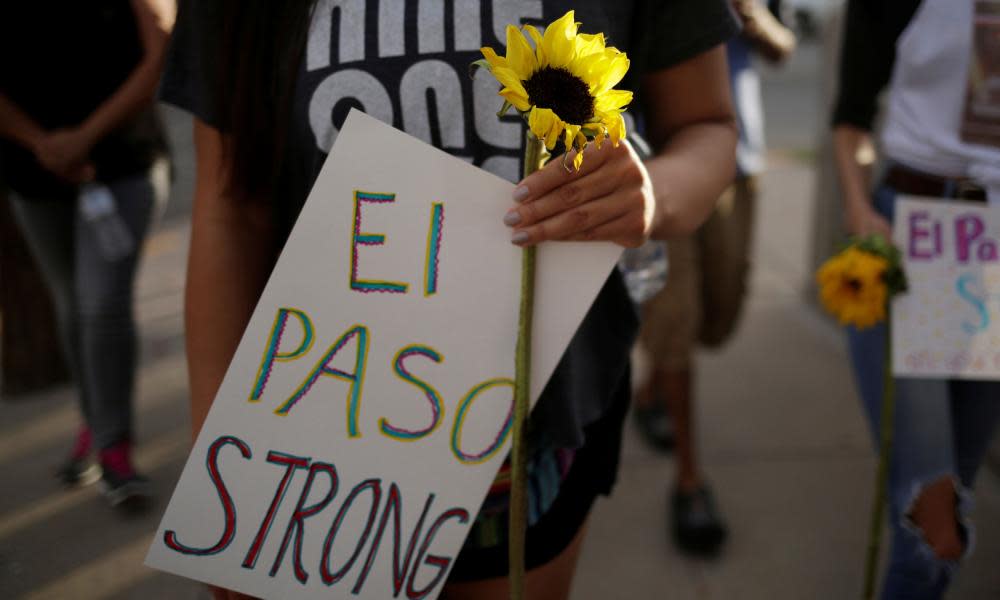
782	440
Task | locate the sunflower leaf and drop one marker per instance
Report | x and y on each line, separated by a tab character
478	64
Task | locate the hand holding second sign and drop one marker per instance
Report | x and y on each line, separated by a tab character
610	198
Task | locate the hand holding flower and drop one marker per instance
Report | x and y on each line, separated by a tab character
862	219
609	198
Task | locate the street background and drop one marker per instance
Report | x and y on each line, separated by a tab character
782	436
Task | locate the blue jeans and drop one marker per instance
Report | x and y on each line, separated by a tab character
943	428
93	295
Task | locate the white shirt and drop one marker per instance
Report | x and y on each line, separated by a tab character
927	97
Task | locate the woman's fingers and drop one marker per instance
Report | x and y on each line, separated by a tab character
625	209
554	174
612	187
576	191
622	231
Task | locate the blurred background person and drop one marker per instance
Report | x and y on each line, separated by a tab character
705	289
83	151
922	52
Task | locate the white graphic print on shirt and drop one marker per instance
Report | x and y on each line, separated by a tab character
407	64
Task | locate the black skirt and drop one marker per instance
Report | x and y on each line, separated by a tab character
593	473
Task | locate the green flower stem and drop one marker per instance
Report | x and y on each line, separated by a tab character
535	156
888	419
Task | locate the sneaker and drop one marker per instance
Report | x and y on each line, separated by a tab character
655	425
79	469
697	526
119	481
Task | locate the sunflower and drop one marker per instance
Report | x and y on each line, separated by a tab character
564	85
853	287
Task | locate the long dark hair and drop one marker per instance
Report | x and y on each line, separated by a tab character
259	56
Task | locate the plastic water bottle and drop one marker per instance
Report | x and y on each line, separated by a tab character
98	208
645	270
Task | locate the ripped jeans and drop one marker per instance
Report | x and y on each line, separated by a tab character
943	429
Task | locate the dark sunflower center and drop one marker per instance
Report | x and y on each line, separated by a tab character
562	92
854	285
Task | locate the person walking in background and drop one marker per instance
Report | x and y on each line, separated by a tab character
84	154
923	51
705	289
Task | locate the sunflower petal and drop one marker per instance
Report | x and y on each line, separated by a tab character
536	37
612	100
571	131
587	44
520	56
559	41
509	79
517	99
611	73
544	123
616	129
492	58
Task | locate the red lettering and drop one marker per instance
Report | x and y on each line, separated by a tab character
330	578
228	507
394	505
302	513
292	463
441	562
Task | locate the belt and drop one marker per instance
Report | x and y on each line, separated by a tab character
918	183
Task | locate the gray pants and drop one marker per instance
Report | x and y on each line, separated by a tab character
93	295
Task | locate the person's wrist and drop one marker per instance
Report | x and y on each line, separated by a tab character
33	140
89	133
857	202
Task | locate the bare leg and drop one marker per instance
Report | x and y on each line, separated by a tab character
697	527
676	386
934	513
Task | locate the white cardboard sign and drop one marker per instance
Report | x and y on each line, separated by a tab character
367	408
948	323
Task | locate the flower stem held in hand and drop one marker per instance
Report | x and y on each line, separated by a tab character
887	420
563	88
857	286
535	156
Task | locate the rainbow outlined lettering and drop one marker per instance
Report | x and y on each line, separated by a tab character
359	238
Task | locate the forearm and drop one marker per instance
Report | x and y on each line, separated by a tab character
154	19
692	126
135	94
231	255
853	153
774	41
16	125
689	175
227	269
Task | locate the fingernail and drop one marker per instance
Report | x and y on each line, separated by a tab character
520	193
519	237
512	218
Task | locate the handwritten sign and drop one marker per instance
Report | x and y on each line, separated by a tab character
368	405
948	324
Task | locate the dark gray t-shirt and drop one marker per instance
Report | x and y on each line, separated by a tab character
407	63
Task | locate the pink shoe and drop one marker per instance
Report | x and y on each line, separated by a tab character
78	468
119	481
